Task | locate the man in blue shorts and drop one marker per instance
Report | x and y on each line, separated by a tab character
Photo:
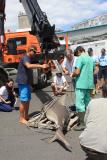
24	80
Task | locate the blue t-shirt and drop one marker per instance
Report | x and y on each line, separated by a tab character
24	75
102	60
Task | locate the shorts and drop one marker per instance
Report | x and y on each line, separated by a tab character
24	92
102	72
95	79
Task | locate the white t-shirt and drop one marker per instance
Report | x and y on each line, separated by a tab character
95	134
3	93
102	60
59	80
70	65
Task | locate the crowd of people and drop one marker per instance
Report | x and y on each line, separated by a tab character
88	74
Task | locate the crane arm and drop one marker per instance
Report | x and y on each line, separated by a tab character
2	17
40	25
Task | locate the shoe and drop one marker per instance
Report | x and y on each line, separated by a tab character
72	108
80	127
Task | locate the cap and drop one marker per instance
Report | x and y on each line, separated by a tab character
32	48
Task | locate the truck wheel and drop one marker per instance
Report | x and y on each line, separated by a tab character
43	80
3	77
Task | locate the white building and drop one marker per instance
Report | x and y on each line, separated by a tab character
96	21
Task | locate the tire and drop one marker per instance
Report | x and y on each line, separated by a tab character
42	80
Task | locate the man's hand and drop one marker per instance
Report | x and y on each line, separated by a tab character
66	72
71	74
8	102
45	66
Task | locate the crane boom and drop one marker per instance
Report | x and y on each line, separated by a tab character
2	17
40	25
12	48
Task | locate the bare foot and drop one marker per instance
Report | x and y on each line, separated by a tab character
23	121
27	118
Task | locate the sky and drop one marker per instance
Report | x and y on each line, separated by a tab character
62	13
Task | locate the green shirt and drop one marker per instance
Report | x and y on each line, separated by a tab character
86	65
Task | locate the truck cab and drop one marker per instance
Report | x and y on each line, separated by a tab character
17	44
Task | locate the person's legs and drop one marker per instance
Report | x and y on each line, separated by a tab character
99	77
27	106
12	100
23	109
62	89
102	76
80	108
5	107
53	88
96	84
105	75
57	89
25	97
74	83
80	105
83	98
26	116
87	97
94	90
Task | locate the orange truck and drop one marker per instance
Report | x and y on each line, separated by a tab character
16	45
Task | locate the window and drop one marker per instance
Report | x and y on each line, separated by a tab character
19	40
12	44
61	38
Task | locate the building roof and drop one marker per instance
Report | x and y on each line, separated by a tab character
86	34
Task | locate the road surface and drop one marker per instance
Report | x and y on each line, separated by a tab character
17	142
